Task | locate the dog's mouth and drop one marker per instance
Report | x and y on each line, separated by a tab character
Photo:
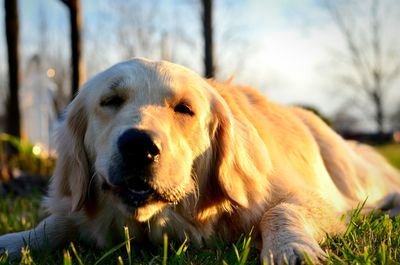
133	195
135	198
136	193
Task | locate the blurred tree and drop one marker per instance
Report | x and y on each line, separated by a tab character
139	32
317	112
395	119
136	29
12	35
78	68
53	60
344	121
373	65
3	93
208	38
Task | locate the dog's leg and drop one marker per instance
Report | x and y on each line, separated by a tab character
51	232
291	229
390	204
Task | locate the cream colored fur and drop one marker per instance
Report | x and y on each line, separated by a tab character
240	162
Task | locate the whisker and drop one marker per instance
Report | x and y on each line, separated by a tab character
196	192
90	182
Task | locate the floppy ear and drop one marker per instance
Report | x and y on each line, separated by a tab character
72	173
242	161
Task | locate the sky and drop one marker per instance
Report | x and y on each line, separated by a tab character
284	48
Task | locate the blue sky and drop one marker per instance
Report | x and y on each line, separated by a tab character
283	47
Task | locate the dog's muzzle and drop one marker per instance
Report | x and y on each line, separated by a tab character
130	177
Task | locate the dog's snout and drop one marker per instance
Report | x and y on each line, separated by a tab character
138	145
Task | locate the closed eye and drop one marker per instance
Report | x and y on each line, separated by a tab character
184	108
114	101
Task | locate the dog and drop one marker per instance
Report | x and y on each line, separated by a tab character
155	147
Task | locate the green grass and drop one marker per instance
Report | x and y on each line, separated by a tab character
391	152
29	159
21	213
369	239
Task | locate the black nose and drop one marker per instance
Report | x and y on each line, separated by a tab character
137	146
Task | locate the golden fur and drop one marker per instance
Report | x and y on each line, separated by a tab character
239	162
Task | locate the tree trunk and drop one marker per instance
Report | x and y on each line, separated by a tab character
208	39
78	71
13	126
379	113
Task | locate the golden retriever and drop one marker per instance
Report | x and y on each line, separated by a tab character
155	147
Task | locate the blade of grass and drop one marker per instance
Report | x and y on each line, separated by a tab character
307	259
245	250
165	254
120	261
128	244
181	251
108	253
26	257
353	217
76	254
67	258
236	252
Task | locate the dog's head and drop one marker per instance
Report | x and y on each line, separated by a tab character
149	134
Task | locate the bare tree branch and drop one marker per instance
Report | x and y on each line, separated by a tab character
392	75
373	75
355	53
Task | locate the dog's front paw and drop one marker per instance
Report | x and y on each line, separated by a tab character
11	245
294	252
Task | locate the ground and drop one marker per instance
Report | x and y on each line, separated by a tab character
369	239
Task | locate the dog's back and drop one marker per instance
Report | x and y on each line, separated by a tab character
358	170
